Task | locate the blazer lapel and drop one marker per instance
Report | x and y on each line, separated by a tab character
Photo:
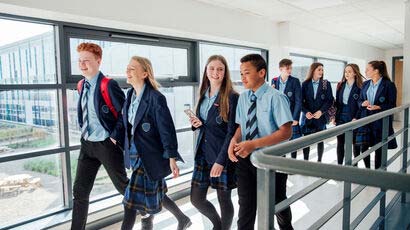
379	91
354	87
213	109
319	89
97	95
288	83
141	107
365	88
126	107
340	93
311	92
79	108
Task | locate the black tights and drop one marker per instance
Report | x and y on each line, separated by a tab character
130	215
320	150
129	219
198	199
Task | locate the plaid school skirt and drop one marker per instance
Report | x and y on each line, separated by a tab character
201	176
142	193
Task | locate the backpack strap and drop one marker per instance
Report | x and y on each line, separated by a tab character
106	95
324	85
80	86
275	81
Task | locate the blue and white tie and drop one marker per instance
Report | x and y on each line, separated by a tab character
84	107
251	123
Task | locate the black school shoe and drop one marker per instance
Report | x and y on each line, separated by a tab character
185	224
147	223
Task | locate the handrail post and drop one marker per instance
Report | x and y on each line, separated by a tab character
383	165
405	141
347	187
266	198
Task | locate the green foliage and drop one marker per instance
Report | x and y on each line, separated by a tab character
48	166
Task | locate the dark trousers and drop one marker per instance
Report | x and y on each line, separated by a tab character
246	175
377	157
92	155
320	150
341	151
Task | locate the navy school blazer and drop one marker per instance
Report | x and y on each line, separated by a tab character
324	99
353	101
294	93
385	97
215	133
154	133
106	118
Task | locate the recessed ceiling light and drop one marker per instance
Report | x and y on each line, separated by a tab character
313	4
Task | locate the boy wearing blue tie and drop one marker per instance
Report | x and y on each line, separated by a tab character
264	119
99	137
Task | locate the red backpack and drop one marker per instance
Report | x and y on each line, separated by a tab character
104	92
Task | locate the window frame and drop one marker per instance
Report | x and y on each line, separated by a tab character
63	31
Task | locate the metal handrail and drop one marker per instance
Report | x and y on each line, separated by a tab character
268	160
285	147
374	178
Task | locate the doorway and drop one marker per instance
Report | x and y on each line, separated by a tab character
397	77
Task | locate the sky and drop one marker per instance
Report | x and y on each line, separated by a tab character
13	31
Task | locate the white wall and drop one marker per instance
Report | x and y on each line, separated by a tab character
297	39
389	54
406	50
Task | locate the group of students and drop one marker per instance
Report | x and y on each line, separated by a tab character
137	132
356	98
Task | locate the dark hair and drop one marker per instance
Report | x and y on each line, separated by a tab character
225	90
358	76
312	69
256	60
381	67
285	62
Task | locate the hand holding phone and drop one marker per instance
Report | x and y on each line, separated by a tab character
189	113
195	122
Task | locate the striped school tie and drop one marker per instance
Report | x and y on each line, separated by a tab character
84	107
251	124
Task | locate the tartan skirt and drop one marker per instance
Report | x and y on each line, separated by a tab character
363	136
142	193
201	175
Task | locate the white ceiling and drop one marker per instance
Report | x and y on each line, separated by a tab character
379	23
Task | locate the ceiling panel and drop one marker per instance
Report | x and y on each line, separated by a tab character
375	22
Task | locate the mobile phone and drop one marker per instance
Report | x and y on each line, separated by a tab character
189	113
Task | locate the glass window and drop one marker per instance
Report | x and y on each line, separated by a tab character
168	63
73	126
178	99
186	149
232	55
29	188
301	66
102	184
333	71
28	120
27	53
